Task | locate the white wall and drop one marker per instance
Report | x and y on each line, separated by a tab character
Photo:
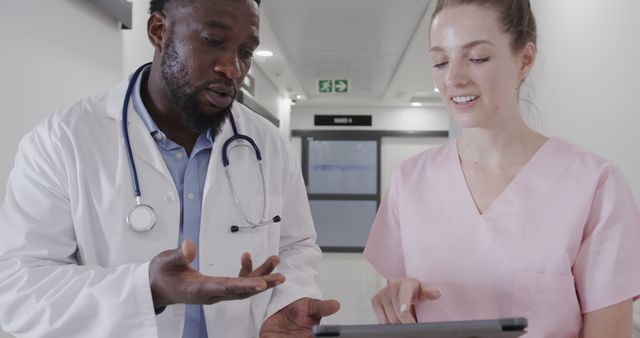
54	53
587	76
266	92
136	49
586	82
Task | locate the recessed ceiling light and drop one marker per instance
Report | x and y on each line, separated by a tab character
416	104
266	53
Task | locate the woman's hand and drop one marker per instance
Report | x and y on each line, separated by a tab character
394	303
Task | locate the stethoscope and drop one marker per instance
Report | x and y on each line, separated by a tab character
142	217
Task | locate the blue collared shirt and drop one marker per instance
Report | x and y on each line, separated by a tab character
189	174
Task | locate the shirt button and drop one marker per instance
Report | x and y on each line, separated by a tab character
190	196
169	197
179	155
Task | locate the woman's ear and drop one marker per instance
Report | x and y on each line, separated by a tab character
528	59
156	29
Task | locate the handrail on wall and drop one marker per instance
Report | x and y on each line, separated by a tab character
118	9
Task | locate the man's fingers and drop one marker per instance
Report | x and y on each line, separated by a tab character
247	265
266	268
323	308
188	251
236	288
273	279
178	258
214	289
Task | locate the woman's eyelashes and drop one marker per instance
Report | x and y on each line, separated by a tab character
442	64
438	65
479	60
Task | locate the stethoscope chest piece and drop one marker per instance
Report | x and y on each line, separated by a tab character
141	218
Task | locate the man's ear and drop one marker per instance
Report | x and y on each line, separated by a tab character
528	59
156	29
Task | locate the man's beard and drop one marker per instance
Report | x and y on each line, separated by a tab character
185	99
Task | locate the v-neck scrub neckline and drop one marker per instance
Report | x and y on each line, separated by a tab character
530	166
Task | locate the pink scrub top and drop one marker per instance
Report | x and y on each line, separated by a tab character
561	240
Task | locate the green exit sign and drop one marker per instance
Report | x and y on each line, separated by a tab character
325	86
329	86
341	86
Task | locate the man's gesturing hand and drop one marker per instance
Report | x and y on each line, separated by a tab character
173	280
296	319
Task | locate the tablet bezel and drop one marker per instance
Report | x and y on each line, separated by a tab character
503	327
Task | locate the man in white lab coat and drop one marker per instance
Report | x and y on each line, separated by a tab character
71	264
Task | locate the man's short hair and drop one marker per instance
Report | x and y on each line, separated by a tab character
158	5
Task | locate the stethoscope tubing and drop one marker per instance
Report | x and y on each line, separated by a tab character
125	131
225	162
137	193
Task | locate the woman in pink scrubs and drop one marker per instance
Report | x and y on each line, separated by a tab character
504	221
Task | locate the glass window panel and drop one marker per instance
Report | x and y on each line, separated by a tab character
343	167
343	223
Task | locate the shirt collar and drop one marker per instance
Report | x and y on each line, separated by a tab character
142	111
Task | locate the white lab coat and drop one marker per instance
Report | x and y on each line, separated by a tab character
71	267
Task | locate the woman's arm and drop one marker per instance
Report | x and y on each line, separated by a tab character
614	321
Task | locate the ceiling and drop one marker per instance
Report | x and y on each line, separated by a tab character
380	46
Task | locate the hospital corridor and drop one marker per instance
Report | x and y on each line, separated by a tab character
354	129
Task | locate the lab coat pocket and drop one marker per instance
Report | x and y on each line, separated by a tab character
546	300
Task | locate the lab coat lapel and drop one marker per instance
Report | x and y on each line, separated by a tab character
143	146
215	168
216	206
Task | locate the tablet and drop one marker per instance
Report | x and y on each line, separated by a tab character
492	328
